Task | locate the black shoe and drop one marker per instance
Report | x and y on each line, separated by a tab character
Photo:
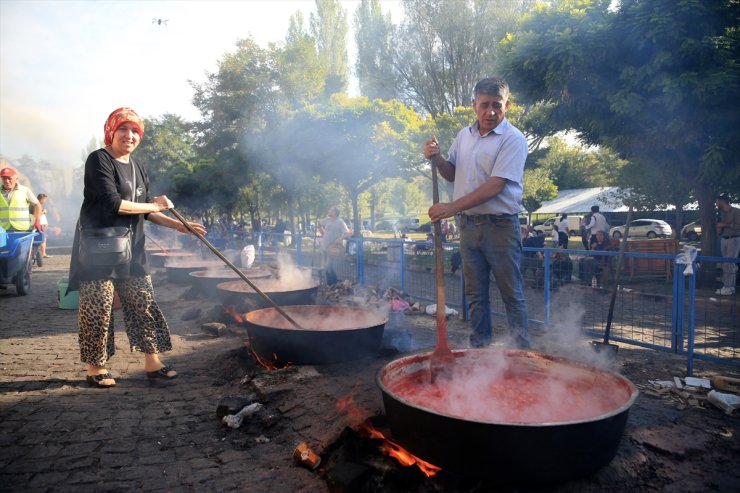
479	342
94	380
161	373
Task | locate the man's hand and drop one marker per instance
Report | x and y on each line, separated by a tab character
431	148
440	211
37	225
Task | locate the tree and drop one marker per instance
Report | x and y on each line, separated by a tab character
329	28
658	90
374	64
444	48
169	145
573	166
538	187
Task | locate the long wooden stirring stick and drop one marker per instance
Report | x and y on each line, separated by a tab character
235	268
441	357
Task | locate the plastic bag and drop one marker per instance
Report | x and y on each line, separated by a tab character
247	256
432	310
687	258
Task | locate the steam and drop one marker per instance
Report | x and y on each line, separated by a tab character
320	317
500	386
564	337
290	274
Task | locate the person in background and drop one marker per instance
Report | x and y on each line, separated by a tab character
15	203
486	164
597	224
728	228
555	235
116	193
563	230
43	223
333	231
584	230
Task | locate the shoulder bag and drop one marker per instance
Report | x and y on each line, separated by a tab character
110	246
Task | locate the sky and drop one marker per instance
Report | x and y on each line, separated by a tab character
65	65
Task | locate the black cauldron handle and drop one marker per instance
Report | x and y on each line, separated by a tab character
234	267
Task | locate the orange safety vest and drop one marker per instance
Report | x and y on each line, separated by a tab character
15	215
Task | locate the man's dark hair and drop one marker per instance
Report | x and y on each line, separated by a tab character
724	197
492	86
594	208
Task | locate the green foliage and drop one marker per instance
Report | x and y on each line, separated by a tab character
573	166
329	28
538	188
374	64
655	81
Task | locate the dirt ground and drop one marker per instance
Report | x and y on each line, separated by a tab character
50	442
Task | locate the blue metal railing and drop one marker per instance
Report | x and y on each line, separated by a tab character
371	260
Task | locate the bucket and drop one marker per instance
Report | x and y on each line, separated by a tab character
69	301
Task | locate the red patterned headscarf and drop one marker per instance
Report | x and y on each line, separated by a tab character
118	118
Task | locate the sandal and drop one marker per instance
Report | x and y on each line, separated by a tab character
94	380
161	373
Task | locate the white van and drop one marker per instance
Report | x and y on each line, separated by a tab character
574	225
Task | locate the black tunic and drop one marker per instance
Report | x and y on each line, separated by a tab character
107	183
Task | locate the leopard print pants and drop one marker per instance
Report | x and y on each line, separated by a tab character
146	327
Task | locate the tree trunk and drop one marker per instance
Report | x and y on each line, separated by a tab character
705	197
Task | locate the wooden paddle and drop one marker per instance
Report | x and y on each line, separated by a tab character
235	269
441	358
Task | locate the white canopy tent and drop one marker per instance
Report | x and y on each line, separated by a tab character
580	200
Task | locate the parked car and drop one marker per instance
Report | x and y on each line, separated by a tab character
691	231
574	225
651	228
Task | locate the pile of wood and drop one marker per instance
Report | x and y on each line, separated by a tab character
348	293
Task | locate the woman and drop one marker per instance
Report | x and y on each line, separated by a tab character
333	230
116	193
44	223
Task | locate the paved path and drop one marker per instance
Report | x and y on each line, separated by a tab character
58	434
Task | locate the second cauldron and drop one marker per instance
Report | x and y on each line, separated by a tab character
329	334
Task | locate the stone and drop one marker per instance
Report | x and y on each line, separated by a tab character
214	328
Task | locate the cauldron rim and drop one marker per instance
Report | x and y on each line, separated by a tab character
262	273
424	354
289	308
223	287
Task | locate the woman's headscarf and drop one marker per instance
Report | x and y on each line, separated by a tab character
118	118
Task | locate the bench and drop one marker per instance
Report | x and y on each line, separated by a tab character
658	266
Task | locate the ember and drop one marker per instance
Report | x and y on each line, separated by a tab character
347	406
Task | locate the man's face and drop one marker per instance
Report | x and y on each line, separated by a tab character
9	182
721	204
490	111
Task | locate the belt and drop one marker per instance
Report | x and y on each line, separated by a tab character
728	237
486	218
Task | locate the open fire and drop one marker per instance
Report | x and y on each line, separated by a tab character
266	363
388	447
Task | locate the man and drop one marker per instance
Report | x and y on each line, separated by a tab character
728	228
563	230
486	164
14	204
333	231
597	224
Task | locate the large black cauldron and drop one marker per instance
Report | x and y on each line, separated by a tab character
330	334
533	452
282	293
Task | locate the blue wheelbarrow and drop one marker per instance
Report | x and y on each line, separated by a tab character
15	260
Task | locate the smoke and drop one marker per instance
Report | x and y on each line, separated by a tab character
292	275
564	337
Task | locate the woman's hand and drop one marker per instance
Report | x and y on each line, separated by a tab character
162	203
199	228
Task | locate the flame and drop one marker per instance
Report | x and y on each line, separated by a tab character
390	448
264	362
238	317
